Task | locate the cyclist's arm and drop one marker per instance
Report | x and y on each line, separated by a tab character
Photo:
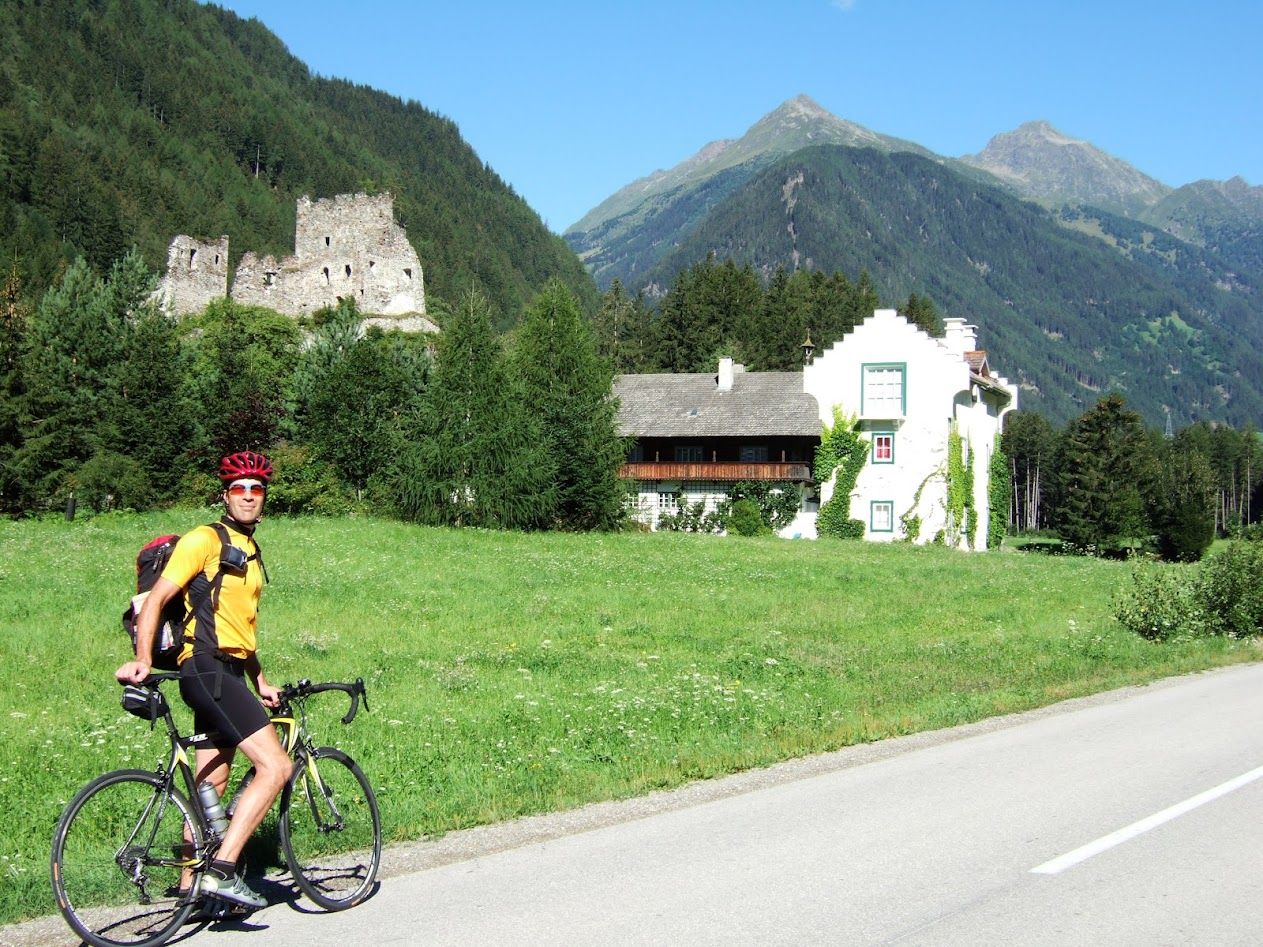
271	696
137	670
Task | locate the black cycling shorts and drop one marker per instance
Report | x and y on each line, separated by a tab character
235	713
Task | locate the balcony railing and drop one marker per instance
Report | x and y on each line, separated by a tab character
717	470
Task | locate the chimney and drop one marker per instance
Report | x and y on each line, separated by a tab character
959	338
726	372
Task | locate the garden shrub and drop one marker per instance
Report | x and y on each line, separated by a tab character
746	519
1160	605
1230	590
1223	597
691	518
777	502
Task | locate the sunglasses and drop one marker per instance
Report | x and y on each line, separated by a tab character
243	489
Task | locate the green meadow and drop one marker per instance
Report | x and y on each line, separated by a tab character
519	673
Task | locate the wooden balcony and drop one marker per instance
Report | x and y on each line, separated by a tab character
733	470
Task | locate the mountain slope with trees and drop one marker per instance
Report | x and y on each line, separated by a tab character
125	123
1041	163
1060	312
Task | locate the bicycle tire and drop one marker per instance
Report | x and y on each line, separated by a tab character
117	859
330	830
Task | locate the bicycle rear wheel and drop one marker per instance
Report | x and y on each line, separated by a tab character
330	830
118	853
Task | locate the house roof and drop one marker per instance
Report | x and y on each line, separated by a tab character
978	362
759	404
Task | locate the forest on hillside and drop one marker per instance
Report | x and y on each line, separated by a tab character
176	117
1071	306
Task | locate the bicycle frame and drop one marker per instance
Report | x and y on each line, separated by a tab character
136	855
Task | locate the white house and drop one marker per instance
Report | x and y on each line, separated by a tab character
909	393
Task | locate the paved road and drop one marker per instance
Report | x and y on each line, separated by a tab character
929	840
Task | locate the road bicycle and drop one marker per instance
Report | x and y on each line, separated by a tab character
130	849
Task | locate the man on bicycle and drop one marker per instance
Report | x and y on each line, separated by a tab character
222	579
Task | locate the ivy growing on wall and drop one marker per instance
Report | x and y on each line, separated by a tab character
912	523
960	490
841	449
999	496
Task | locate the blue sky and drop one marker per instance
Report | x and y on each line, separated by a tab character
568	101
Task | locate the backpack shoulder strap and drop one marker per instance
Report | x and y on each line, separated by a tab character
225	542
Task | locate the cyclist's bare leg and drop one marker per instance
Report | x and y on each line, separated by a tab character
213	766
272	769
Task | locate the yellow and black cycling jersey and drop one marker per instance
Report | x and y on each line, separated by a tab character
223	618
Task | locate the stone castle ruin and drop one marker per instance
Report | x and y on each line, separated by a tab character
345	247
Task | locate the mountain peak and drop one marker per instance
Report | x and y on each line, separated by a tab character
1045	164
796	123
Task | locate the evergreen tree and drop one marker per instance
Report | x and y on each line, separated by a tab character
155	416
242	375
1184	504
13	325
71	370
358	413
615	328
568	389
337	329
477	457
770	337
1105	477
921	312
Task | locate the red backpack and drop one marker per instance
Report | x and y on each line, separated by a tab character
169	641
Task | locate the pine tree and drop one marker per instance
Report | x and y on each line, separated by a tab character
155	420
357	414
1184	504
477	457
1105	477
770	338
568	389
13	327
921	312
241	376
71	371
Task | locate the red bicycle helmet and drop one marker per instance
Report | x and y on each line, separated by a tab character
245	464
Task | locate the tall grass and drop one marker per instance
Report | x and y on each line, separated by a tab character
512	673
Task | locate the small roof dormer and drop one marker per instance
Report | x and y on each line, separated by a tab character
978	364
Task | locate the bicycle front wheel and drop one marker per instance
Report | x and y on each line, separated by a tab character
330	830
119	851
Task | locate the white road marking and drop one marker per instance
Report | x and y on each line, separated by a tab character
1083	853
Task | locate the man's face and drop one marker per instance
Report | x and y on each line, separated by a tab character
244	499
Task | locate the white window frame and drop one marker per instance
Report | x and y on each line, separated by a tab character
878	381
889	507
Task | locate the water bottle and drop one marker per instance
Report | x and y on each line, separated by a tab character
212	808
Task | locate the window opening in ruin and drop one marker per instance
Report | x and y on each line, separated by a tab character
269	276
326	241
192	257
348	271
407	271
371	264
326	272
217	259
